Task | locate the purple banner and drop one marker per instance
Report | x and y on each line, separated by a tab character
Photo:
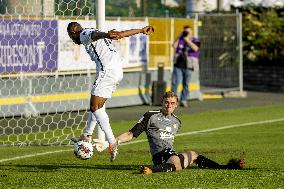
27	46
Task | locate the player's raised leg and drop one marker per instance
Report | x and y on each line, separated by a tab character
91	124
98	108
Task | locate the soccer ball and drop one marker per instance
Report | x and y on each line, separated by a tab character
83	150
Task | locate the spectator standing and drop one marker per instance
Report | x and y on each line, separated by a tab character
185	62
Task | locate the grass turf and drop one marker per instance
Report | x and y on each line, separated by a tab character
261	144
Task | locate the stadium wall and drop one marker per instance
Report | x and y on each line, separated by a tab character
39	95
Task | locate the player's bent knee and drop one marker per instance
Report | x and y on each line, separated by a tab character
94	106
175	160
184	160
192	156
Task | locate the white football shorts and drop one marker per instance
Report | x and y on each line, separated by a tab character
106	83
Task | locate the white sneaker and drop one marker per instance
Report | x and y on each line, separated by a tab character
113	150
100	145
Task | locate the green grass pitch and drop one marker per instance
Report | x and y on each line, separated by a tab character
261	143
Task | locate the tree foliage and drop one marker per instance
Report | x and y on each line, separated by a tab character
263	35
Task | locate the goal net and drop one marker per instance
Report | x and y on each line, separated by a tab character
40	105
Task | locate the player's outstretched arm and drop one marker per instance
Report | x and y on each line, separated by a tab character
101	35
125	137
148	30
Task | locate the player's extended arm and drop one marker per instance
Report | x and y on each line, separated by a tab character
125	137
127	33
101	35
148	30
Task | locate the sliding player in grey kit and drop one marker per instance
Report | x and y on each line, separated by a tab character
161	127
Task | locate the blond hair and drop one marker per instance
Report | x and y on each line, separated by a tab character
170	94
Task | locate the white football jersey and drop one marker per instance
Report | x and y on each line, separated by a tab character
102	51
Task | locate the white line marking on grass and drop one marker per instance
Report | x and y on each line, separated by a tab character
231	126
216	129
134	142
32	155
144	140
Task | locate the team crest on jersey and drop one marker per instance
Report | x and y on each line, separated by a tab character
168	129
166	135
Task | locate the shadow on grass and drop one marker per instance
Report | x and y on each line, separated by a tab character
49	167
244	169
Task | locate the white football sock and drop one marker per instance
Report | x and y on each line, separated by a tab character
103	121
91	124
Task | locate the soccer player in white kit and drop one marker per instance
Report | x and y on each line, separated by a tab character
109	73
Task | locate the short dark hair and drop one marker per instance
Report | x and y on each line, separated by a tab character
74	26
170	94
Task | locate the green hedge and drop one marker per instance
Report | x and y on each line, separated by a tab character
263	35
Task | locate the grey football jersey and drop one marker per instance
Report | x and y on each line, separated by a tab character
160	130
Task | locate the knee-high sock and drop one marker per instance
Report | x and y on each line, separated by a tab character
91	124
103	121
203	162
